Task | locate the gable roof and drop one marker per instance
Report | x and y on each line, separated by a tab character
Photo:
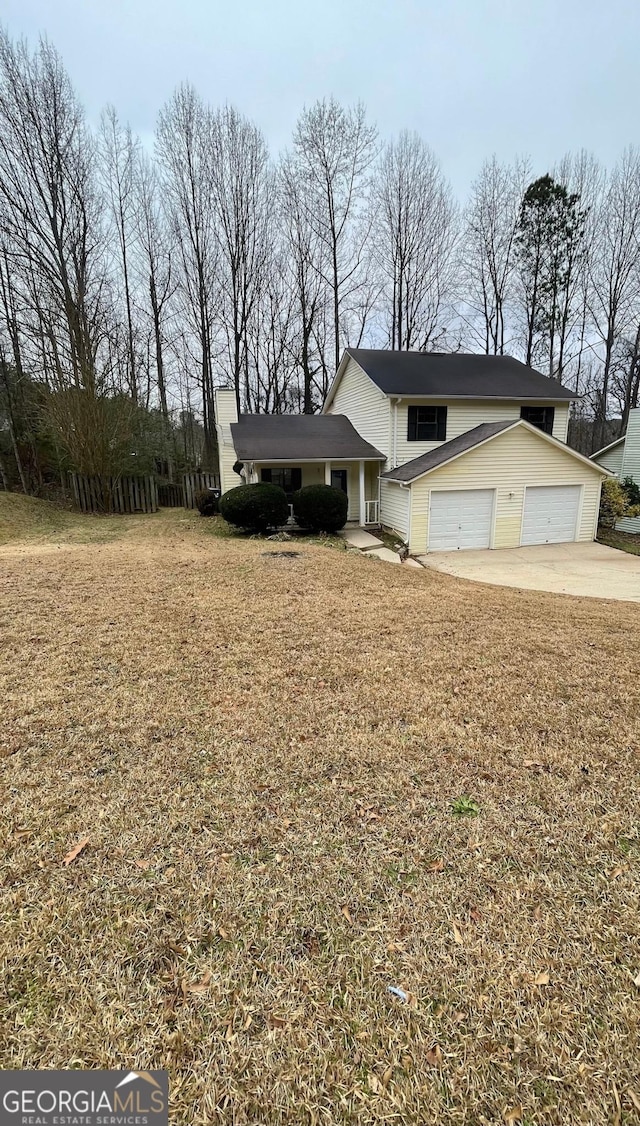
448	451
456	375
611	446
299	437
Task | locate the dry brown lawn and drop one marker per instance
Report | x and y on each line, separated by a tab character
265	756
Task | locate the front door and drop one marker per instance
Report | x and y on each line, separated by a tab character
339	479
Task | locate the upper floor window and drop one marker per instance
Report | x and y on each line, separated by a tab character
542	417
427	424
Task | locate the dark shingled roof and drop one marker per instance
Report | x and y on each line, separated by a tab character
299	437
412	469
456	375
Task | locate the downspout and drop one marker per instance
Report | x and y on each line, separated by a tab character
407	488
394	444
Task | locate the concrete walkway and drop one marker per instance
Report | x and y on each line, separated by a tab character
371	545
357	537
588	569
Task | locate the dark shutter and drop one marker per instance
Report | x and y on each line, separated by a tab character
412	427
442	424
266	475
296	479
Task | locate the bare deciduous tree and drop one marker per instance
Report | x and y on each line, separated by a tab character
119	156
614	275
242	192
488	250
414	243
183	144
333	149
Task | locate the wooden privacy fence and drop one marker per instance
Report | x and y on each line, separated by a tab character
115	494
170	496
194	483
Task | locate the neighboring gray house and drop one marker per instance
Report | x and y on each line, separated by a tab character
623	458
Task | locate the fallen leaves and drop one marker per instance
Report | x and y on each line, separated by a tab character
276	1022
457	934
515	1114
202	985
344	910
434	1056
436	865
635	1099
75	851
542	978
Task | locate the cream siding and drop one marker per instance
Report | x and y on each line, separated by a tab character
508	463
463	415
226	413
365	406
394	508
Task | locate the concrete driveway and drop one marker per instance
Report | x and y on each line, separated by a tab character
588	569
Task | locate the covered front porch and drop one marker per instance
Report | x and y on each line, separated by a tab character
357	478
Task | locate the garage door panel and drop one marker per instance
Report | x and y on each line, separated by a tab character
460	519
550	514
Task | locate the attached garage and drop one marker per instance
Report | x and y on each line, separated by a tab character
460	519
550	514
501	484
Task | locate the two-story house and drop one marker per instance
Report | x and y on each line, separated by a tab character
447	451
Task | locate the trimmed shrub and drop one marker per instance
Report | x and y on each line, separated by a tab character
613	502
320	508
255	507
206	502
632	491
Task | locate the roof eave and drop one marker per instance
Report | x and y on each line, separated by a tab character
336	458
499	398
490	437
611	446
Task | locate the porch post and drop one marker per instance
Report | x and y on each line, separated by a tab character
362	500
327	472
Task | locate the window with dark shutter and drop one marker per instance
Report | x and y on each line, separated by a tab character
542	417
427	424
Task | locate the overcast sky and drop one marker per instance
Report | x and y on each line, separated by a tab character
474	77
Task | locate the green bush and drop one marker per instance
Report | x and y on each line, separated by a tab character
255	507
613	502
206	503
320	508
632	491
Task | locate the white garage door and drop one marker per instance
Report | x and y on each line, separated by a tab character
460	519
551	514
